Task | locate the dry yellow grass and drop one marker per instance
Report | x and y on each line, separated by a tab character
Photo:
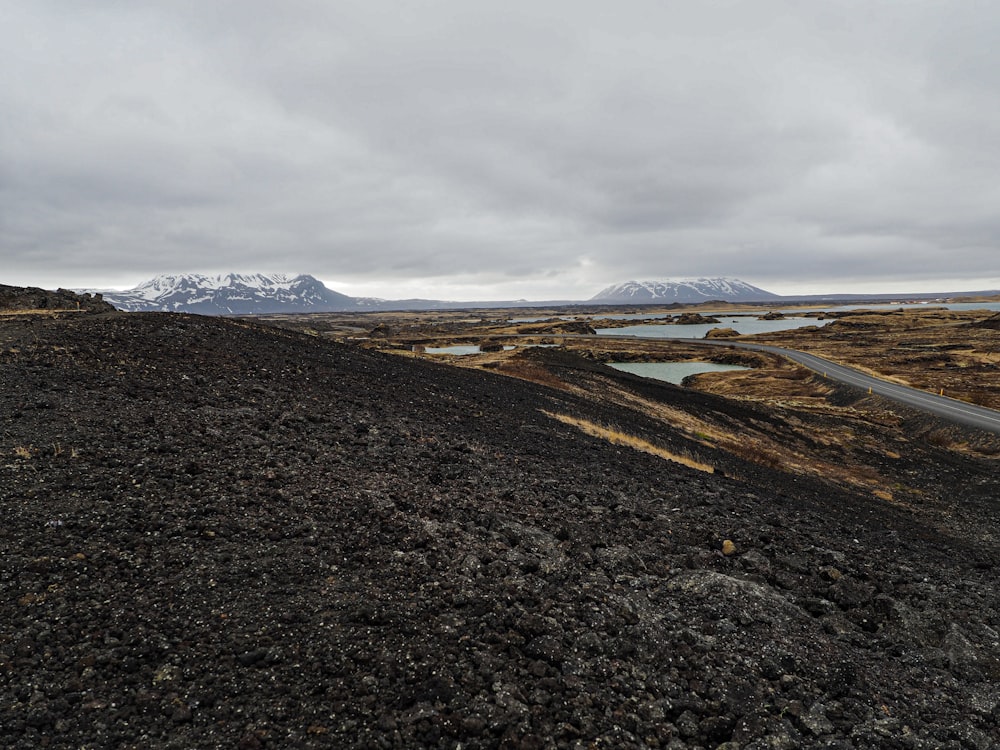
757	448
839	455
616	437
534	373
50	311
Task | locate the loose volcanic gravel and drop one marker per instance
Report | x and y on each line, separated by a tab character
219	535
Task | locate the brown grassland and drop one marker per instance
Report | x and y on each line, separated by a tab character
813	427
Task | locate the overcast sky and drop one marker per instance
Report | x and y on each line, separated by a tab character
478	149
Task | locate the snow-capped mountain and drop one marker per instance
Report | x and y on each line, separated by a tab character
685	291
233	293
257	293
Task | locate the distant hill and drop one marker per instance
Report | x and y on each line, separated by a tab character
686	291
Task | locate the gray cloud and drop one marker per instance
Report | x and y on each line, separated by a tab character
523	149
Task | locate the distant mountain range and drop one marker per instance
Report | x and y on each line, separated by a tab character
233	294
684	291
249	294
259	293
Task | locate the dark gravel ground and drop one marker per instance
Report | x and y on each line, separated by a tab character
221	535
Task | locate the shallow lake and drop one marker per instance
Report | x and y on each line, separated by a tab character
460	349
745	325
992	306
672	372
617	316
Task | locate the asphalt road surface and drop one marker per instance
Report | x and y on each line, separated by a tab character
959	412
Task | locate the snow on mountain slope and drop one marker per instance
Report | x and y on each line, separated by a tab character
258	293
232	293
683	290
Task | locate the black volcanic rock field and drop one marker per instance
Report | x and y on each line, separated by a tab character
221	535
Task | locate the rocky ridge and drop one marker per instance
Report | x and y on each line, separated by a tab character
223	535
27	300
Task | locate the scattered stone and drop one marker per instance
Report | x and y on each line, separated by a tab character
830	573
816	721
167	674
232	567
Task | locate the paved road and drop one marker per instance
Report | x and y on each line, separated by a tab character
959	412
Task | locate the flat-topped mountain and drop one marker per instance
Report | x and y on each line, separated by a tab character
685	291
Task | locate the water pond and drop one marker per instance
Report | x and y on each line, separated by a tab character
742	324
991	306
460	349
672	372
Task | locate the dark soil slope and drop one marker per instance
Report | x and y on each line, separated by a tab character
218	535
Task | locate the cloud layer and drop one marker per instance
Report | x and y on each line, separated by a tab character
536	150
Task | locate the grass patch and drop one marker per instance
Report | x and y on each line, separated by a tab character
759	452
616	437
524	370
940	438
51	311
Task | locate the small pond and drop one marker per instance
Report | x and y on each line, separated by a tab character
744	325
460	349
672	372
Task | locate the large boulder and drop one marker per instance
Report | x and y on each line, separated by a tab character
722	333
694	319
